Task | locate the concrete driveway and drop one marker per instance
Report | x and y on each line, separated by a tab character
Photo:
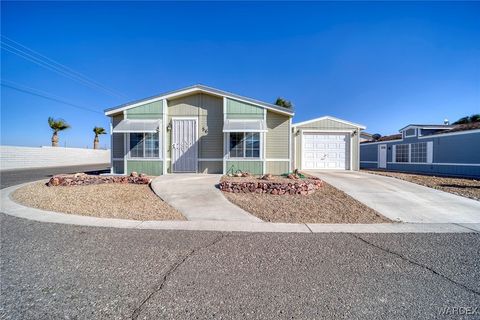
197	197
403	201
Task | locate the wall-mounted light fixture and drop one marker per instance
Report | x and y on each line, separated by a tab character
354	133
169	126
205	129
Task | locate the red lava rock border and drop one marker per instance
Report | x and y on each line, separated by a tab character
82	179
300	186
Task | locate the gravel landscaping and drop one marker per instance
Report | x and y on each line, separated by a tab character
121	201
469	188
325	205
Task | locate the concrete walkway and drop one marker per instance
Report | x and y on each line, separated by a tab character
403	201
197	197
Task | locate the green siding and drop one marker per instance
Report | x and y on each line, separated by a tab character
153	110
277	136
241	110
209	111
253	167
149	167
326	124
277	167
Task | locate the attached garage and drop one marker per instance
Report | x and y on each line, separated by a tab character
326	143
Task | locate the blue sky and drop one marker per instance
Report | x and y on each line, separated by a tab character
380	64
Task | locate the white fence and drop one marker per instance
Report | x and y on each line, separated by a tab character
32	157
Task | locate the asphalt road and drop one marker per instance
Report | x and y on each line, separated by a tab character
53	271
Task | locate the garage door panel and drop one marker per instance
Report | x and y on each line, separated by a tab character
325	151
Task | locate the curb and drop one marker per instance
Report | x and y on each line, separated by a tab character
11	208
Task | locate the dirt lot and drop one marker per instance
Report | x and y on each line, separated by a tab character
469	188
326	205
122	201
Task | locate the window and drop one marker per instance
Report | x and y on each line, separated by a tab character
418	152
401	153
236	145
244	145
144	145
412	132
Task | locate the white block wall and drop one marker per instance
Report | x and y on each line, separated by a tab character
33	157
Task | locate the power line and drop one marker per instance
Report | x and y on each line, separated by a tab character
60	64
27	56
43	94
42	64
48	63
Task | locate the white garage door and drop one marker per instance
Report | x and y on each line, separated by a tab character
325	151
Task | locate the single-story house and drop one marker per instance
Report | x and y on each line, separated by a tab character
431	149
206	130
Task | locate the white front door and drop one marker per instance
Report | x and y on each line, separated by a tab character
382	156
326	151
184	145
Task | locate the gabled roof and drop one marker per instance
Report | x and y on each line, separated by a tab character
329	118
427	126
198	88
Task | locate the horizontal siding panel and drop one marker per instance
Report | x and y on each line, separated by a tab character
152	168
152	110
253	167
241	110
327	124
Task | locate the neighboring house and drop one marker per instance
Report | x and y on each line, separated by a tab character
432	149
206	130
326	143
365	136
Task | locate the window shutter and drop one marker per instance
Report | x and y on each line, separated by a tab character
430	152
394	153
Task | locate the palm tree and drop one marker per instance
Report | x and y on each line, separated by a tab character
467	119
57	125
97	131
283	103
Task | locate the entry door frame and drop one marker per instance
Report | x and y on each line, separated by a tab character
347	132
382	148
195	140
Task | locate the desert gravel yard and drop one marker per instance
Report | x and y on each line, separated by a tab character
326	205
121	201
469	188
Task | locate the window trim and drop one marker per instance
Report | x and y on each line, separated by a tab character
410	136
416	158
160	143
397	153
428	152
260	153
